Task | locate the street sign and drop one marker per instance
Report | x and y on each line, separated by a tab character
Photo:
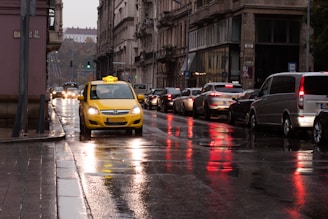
187	74
291	66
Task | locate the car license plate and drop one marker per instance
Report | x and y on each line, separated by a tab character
115	119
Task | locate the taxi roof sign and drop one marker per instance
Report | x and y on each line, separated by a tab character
109	78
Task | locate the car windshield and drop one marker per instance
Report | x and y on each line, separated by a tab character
229	89
111	91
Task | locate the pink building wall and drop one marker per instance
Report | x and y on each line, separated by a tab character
10	25
9	55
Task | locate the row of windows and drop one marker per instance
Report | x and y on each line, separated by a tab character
214	34
267	31
277	31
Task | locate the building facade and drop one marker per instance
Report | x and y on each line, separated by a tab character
80	35
45	35
104	55
125	47
188	43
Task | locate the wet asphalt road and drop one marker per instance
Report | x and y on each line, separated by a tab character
186	168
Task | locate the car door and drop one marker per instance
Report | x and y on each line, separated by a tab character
260	105
180	100
199	101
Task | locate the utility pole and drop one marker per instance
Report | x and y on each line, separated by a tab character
308	37
21	119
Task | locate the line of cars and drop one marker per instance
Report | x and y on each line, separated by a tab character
286	100
68	90
212	99
290	101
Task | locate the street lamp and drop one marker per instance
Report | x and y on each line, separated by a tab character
308	35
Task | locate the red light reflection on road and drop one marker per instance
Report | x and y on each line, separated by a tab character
189	153
169	120
219	161
297	179
190	125
219	135
168	156
171	145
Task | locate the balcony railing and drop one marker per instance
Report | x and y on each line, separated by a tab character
167	53
165	19
145	28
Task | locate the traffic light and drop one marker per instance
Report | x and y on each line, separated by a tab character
88	65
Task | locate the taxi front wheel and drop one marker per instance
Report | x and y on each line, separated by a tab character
138	131
84	130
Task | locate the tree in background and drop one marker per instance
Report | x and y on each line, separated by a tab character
74	57
319	41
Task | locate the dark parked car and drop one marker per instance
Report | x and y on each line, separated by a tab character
151	98
320	128
239	109
165	99
215	99
183	104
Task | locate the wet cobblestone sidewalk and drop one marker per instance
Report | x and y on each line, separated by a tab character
28	182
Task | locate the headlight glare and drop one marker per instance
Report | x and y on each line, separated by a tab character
136	110
93	111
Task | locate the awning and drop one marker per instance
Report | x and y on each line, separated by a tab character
194	64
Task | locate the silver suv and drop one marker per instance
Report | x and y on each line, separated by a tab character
290	100
215	98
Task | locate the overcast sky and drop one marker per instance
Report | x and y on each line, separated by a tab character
80	13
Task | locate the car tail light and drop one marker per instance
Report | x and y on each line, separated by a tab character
228	86
190	99
301	93
215	94
169	97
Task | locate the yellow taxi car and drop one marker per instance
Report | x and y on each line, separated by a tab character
110	104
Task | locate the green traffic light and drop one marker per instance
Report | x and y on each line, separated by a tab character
88	65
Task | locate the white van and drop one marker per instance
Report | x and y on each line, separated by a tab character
290	100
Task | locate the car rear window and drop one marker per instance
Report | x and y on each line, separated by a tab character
195	92
316	85
157	92
229	88
173	91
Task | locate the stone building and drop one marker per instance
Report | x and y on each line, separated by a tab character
187	43
45	35
104	55
80	35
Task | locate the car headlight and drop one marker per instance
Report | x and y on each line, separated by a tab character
93	111
136	110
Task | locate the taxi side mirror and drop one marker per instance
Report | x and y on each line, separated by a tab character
141	98
80	98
